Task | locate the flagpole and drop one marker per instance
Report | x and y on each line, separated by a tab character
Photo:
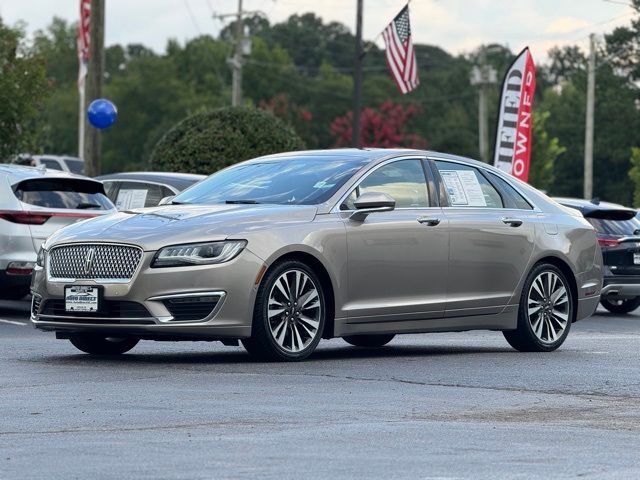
357	80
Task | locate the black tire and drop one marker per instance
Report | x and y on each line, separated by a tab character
14	293
369	341
262	345
524	338
621	306
99	345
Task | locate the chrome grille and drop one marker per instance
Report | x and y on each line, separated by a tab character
94	261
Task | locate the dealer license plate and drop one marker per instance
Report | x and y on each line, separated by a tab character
81	298
636	258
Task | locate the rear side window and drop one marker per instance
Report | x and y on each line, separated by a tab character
51	163
616	227
63	193
514	199
140	194
75	166
467	187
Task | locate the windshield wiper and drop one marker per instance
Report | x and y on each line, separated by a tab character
87	205
247	202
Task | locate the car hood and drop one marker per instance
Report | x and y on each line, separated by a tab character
155	227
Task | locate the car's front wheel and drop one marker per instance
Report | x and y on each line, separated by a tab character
289	313
620	305
99	345
545	313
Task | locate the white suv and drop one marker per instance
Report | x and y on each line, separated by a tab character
34	203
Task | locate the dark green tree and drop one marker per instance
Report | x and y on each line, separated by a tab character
209	141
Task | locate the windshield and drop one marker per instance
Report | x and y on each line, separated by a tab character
63	193
616	227
291	181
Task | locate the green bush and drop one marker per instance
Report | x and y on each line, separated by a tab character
209	141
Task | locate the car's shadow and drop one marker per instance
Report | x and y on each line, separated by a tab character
238	356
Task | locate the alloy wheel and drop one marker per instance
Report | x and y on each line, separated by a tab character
294	311
548	307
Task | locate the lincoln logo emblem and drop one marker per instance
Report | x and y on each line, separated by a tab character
88	261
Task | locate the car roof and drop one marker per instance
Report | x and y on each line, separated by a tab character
176	180
368	153
17	173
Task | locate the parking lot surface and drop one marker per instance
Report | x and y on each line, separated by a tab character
455	405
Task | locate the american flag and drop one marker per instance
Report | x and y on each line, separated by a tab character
401	57
83	40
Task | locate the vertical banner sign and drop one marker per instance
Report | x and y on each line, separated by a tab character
83	40
513	136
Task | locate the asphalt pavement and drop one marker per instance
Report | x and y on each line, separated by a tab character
459	405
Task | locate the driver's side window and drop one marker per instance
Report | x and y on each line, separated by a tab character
404	180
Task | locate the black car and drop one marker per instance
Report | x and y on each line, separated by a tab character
145	189
618	230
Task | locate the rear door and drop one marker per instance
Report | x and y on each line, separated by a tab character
492	231
57	202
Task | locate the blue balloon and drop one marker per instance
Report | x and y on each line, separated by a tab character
102	113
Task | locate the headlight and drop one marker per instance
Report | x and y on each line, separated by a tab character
40	258
198	253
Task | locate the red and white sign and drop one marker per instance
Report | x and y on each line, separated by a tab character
84	38
513	137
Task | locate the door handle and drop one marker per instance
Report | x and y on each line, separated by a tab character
514	222
430	221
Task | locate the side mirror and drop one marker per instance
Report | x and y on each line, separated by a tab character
167	200
372	202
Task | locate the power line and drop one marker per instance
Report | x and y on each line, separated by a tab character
192	16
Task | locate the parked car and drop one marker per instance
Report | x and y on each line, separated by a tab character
282	250
64	163
145	189
34	203
618	230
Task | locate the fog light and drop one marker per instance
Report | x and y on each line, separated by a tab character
20	268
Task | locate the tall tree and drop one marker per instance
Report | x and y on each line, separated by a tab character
23	88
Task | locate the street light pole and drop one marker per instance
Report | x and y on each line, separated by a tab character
357	80
483	75
588	134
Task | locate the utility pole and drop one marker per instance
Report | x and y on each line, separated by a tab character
588	134
357	80
94	78
242	47
483	76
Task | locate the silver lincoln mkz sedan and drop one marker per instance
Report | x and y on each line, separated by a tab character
281	251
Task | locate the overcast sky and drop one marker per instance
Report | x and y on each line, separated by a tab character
455	25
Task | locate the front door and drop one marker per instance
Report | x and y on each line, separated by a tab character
397	261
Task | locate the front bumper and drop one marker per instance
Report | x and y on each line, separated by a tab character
232	285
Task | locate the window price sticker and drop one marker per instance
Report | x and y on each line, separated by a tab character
463	188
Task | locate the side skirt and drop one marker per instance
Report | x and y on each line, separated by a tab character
506	320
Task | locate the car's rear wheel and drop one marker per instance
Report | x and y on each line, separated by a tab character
546	311
99	345
369	340
620	305
289	313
